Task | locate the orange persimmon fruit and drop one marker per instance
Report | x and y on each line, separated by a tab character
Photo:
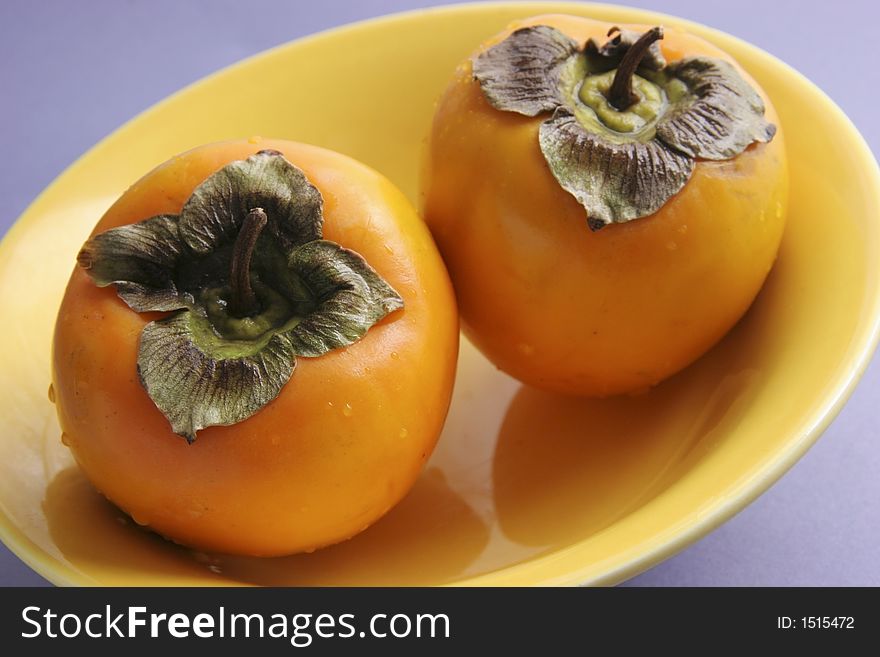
580	311
346	436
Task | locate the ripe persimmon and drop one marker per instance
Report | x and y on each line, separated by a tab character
256	352
608	201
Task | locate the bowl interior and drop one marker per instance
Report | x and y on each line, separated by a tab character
525	487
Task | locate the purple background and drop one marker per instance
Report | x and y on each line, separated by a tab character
72	72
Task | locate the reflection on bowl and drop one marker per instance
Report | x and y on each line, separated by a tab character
601	458
391	552
113	540
387	553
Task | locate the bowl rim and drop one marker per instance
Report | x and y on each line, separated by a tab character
652	549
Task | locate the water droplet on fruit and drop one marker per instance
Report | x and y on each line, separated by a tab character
143	522
347	410
51	393
65	439
395	355
672	246
404	433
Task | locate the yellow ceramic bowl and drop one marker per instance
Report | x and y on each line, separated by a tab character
525	488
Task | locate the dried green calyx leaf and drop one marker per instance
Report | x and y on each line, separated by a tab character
611	179
140	260
720	116
351	297
252	285
217	207
195	388
522	73
625	127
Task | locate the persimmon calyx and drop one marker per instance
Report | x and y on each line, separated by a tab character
250	285
625	127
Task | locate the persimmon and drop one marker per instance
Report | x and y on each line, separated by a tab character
608	200
256	352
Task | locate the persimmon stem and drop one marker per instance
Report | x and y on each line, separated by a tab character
621	94
243	301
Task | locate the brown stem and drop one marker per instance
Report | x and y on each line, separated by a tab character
621	94
244	302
